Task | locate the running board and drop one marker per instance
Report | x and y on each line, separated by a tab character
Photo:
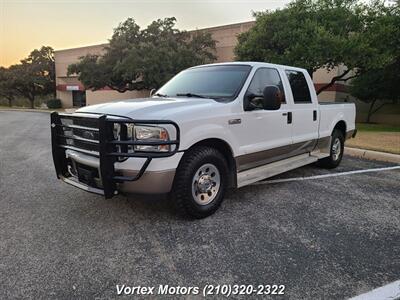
256	174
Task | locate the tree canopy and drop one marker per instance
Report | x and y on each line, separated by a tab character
34	76
381	84
378	86
137	59
315	34
7	89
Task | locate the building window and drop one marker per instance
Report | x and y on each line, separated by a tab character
78	98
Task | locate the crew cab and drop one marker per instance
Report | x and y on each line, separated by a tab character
209	128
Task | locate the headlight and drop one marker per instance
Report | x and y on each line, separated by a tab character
129	131
151	133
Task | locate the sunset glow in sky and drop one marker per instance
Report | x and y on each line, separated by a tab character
29	24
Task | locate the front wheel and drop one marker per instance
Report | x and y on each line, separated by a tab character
200	182
336	151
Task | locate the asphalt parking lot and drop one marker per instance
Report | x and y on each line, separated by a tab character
332	237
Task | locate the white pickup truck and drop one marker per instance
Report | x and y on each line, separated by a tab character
209	128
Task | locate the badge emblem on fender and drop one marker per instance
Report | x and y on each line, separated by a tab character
234	121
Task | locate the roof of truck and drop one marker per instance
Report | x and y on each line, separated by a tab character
250	63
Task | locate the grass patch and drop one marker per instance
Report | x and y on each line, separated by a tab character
368	127
377	137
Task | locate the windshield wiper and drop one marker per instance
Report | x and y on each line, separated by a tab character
160	95
191	95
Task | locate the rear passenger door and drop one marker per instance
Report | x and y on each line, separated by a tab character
305	118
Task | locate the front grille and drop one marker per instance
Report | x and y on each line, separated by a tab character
95	135
86	134
86	122
81	132
86	146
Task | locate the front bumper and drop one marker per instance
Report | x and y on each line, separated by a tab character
94	170
157	179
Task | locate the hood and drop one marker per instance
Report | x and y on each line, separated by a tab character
149	108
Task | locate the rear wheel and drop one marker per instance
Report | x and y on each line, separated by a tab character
200	182
336	151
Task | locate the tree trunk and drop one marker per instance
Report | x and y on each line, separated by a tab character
32	100
334	79
369	114
9	102
310	72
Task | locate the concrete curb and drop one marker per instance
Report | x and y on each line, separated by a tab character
67	110
372	155
26	110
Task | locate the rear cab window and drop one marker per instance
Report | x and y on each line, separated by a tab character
299	86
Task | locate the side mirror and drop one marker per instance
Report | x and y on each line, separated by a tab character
271	98
152	92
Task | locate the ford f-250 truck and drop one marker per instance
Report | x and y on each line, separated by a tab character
209	128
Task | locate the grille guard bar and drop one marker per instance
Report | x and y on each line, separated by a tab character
107	146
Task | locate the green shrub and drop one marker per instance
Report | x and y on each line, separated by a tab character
54	103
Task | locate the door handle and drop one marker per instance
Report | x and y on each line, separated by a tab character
289	117
314	115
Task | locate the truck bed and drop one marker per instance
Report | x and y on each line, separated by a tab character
332	112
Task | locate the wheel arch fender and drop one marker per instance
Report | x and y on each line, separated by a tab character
339	122
207	132
340	125
223	145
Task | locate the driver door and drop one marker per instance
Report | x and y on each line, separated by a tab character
265	135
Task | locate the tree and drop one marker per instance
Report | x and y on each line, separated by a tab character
381	85
378	86
315	34
35	75
7	89
138	59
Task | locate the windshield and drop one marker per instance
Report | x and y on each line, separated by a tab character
217	82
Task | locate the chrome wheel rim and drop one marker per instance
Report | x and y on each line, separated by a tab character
206	184
336	149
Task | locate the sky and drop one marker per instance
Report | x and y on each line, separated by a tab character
62	24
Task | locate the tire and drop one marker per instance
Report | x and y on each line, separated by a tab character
200	182
336	151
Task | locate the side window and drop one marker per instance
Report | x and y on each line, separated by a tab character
265	77
300	89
